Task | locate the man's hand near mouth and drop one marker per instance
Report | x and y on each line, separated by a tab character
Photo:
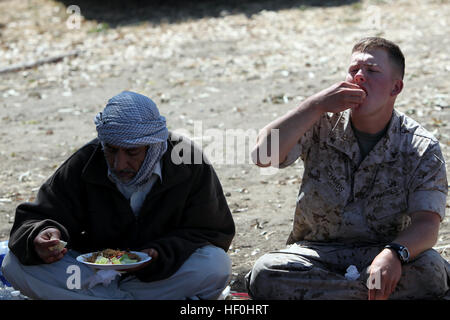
293	125
339	97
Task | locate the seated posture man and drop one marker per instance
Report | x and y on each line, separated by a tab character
373	191
128	189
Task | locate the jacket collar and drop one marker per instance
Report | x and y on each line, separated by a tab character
342	138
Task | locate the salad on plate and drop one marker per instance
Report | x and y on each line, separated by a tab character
114	259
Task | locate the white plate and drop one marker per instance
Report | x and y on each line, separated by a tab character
144	258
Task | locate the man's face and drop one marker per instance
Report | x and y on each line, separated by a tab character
124	162
375	74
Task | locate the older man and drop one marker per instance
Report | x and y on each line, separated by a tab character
127	190
373	192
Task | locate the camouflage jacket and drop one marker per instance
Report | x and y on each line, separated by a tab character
338	201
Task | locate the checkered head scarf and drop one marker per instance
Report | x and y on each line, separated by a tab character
132	120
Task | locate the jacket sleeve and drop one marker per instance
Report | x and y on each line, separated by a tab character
54	207
310	137
429	186
206	220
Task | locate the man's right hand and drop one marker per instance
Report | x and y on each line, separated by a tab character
293	125
43	243
339	97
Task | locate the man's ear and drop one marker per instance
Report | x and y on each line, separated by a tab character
398	87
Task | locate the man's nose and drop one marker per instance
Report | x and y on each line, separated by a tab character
120	160
359	77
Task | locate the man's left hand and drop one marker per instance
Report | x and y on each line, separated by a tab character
385	270
152	253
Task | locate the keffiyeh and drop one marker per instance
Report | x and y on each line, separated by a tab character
131	120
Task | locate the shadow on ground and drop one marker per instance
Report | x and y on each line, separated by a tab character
116	13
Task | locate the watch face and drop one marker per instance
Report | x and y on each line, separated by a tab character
404	254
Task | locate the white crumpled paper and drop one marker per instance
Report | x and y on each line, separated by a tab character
352	273
104	277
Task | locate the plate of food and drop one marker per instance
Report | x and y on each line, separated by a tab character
110	259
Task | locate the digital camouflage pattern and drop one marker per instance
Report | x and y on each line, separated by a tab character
346	213
338	201
316	271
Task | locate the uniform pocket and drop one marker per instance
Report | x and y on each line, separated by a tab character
386	214
390	202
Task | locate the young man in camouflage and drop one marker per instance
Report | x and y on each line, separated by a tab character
373	192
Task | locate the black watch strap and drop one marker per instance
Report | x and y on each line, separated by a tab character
402	251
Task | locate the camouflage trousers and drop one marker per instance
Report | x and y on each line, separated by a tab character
310	270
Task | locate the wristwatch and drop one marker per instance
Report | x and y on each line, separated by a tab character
402	251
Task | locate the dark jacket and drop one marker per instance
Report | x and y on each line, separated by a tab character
186	211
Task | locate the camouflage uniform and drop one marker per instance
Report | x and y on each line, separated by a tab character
346	213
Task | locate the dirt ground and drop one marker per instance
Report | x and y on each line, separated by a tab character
216	69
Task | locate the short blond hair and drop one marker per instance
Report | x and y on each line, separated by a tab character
395	54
